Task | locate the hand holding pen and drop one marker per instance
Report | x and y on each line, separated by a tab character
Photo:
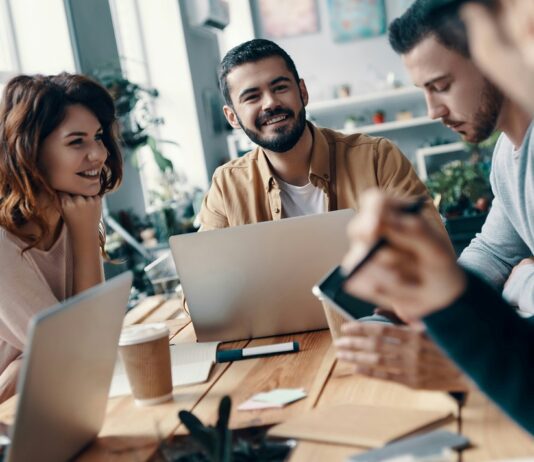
348	270
414	273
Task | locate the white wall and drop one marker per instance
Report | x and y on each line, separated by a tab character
241	27
322	63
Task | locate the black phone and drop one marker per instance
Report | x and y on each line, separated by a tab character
331	290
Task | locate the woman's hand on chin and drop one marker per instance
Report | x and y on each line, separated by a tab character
81	214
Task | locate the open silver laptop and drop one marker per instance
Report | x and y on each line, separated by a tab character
255	280
66	373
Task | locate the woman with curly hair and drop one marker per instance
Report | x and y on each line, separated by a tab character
58	156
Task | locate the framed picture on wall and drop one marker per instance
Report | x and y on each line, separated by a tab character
356	19
281	18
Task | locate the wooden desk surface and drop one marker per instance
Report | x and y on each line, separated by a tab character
133	433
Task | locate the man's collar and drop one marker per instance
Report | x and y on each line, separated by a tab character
319	162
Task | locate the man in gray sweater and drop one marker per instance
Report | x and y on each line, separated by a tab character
437	58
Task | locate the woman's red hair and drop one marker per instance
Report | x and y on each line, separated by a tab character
31	108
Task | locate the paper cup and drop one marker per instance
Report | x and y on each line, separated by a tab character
334	318
145	353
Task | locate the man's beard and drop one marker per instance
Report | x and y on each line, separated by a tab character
485	120
286	137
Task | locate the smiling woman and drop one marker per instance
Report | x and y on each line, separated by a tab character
58	156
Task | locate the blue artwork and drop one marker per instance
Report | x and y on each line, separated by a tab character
356	19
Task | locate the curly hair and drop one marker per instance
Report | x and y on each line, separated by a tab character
32	107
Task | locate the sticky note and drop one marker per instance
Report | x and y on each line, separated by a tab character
280	396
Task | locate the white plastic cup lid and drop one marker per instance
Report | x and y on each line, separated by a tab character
141	333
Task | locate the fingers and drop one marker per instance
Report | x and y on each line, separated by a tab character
390	340
367	227
80	203
414	273
415	236
517	19
398	354
383	331
375	206
380	216
81	211
388	274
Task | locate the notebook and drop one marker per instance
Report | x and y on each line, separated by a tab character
357	425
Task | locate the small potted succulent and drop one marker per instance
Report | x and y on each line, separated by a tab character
206	443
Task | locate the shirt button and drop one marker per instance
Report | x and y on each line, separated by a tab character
326	176
277	210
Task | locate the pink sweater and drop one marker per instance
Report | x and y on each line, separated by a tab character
29	283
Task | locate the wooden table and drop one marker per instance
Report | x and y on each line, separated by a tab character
132	433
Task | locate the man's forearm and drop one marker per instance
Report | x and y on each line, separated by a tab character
491	344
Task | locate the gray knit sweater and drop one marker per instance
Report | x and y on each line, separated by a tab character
507	236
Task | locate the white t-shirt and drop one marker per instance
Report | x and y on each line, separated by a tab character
301	200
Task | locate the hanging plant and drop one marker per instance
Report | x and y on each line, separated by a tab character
133	103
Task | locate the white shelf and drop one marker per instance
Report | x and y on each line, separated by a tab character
378	98
441	149
422	153
391	126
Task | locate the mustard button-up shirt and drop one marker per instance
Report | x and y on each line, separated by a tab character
245	190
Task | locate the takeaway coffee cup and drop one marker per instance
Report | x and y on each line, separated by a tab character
144	351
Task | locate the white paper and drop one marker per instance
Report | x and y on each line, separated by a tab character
190	363
276	398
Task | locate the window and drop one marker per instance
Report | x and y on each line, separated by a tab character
8	55
42	38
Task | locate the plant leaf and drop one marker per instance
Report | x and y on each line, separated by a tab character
163	163
225	435
204	436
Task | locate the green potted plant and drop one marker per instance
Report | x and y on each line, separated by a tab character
462	192
133	105
206	443
171	201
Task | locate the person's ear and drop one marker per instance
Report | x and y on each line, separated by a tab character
231	116
303	92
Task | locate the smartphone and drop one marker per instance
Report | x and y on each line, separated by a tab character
330	289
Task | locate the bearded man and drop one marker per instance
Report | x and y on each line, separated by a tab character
297	168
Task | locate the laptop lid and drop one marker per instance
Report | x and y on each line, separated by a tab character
66	373
255	280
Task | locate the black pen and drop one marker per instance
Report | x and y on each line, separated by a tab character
413	208
256	352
